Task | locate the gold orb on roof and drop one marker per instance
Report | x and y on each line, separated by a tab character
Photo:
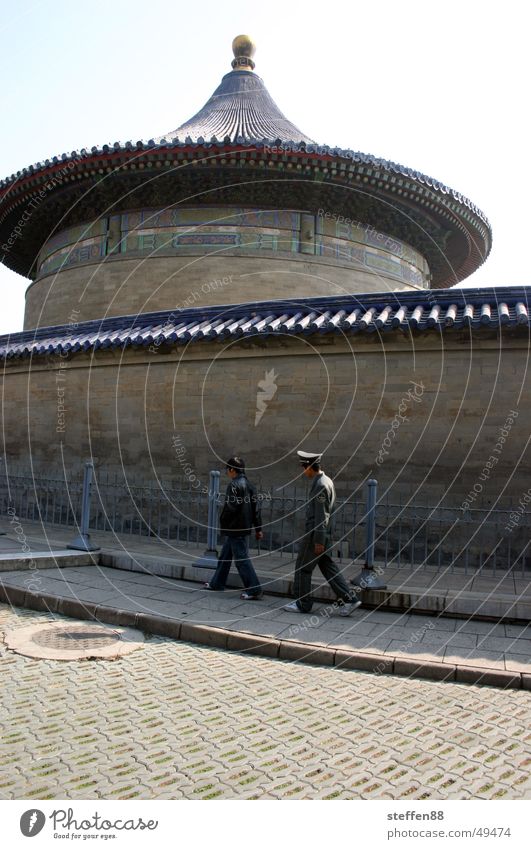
243	45
244	49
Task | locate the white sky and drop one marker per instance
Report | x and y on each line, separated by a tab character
439	87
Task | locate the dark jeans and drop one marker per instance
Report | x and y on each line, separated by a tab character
237	548
307	560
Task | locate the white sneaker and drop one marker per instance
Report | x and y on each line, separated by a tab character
346	609
292	607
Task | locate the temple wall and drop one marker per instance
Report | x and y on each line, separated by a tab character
451	399
120	286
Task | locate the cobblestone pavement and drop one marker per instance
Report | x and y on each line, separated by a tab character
174	721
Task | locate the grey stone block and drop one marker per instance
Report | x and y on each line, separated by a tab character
76	609
428	669
420	602
14	565
522	611
463	603
323	592
14	596
254	644
151	566
114	616
41	601
201	575
379	664
204	635
305	653
160	625
490	677
107	559
278	586
119	561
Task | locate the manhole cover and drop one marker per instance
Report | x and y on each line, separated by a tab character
73	641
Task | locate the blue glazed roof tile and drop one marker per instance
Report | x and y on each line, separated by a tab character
477	309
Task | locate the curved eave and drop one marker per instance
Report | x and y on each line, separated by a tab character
477	310
432	205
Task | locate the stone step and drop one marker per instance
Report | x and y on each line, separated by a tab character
485	605
11	562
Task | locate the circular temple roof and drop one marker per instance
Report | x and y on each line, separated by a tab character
240	149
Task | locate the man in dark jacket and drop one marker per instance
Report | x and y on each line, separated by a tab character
240	514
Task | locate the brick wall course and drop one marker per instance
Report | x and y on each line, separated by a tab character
122	287
133	412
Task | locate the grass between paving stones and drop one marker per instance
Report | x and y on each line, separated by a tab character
40	793
293	790
121	790
202	789
251	780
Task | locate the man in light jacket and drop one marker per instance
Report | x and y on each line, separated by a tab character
316	544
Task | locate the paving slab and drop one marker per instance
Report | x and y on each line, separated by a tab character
360	644
416	654
485	660
517	663
450	639
267	628
514	644
517	631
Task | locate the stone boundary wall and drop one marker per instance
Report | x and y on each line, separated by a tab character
434	416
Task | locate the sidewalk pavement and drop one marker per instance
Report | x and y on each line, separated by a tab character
378	640
490	596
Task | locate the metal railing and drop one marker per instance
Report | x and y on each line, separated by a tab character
406	535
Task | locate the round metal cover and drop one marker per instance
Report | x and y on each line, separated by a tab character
73	641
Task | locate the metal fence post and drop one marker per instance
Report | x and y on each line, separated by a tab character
82	542
4	533
372	491
209	559
370	577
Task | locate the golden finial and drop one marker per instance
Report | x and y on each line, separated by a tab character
243	48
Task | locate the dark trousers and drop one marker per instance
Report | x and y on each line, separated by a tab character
237	548
307	560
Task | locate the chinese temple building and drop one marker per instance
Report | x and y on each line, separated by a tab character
169	279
